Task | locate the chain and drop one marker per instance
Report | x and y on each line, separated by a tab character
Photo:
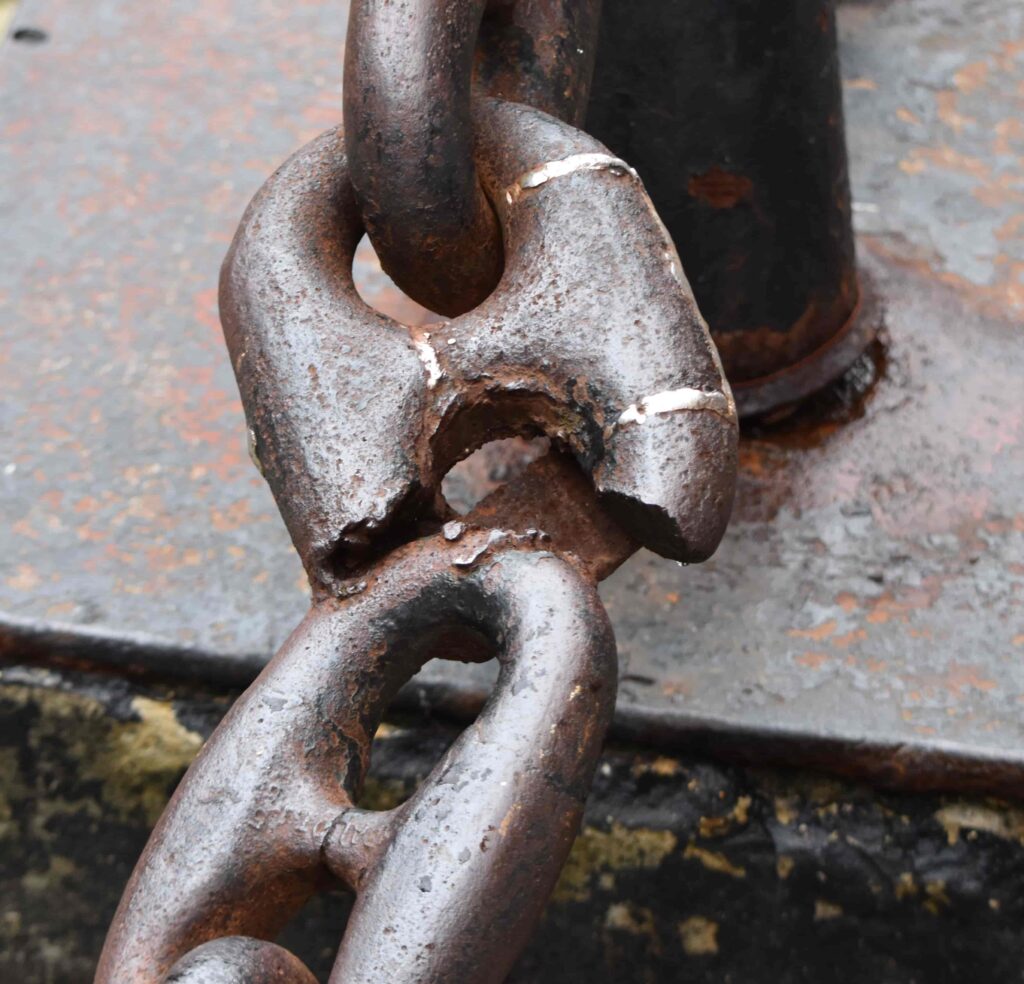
409	132
592	338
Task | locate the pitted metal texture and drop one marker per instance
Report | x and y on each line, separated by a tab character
592	337
449	884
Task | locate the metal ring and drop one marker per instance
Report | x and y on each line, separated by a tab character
266	813
408	127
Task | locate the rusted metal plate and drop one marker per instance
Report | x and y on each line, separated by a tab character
864	609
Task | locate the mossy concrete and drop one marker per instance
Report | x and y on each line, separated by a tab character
685	870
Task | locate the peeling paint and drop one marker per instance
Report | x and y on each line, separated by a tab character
678	400
572	164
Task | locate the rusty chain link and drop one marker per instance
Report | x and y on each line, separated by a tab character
447	885
409	130
591	338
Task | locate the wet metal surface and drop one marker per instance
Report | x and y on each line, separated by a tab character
686	870
355	419
864	608
483	839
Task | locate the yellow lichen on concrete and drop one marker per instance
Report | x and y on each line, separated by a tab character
738	816
634	919
662	766
136	763
787	809
825	910
49	881
714	861
140	760
383	794
12	789
936	898
699	936
599	851
1004	821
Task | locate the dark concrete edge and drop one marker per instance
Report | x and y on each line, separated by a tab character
932	766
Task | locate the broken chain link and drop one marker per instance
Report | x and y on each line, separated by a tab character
591	338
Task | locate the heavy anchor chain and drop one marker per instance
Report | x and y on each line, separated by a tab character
591	338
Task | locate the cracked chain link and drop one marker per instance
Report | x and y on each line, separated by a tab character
570	318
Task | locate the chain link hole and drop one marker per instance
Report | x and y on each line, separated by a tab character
378	290
488	468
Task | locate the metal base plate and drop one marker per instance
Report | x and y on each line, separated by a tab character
864	610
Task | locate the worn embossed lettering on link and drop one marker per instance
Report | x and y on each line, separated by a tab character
591	337
449	885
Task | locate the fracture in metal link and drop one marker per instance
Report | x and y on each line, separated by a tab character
353	421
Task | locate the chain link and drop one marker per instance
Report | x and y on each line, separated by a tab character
592	338
409	128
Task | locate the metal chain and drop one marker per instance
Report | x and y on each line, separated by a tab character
592	337
409	131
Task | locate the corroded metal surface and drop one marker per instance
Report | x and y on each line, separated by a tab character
732	113
355	419
449	885
864	608
685	871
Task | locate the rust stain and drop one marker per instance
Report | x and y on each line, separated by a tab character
945	158
818	633
719	188
847	601
962	676
908	166
25	578
849	638
1008	132
946	101
813	660
971	77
